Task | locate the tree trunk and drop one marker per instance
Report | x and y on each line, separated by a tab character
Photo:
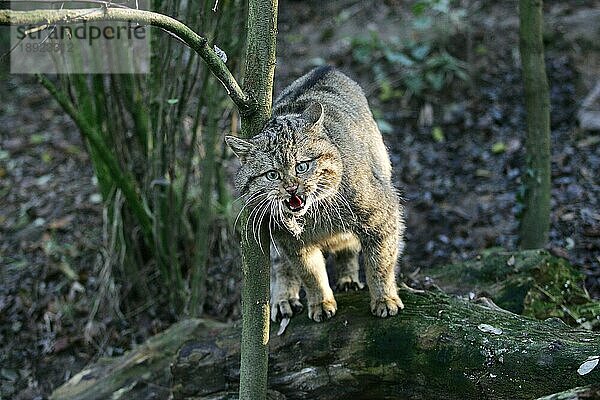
258	84
535	220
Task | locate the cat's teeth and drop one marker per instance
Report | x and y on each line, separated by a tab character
295	203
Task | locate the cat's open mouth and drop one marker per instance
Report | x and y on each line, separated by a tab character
296	202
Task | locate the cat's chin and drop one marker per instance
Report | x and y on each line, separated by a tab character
294	224
295	213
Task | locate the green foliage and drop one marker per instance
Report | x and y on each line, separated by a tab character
498	147
427	12
559	292
531	282
162	131
438	134
420	66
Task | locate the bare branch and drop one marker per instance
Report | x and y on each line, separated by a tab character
196	42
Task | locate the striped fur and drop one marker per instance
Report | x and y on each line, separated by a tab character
322	123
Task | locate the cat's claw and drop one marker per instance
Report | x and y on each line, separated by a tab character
386	306
322	311
347	284
285	309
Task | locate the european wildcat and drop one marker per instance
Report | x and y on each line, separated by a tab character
320	173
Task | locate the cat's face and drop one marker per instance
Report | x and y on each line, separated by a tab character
289	167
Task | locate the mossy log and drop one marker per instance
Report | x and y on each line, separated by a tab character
580	393
440	346
142	373
532	283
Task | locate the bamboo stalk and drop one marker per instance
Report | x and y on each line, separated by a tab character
123	181
206	214
105	120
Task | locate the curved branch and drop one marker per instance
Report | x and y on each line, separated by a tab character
196	42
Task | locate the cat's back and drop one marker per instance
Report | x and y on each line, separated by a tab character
348	120
338	94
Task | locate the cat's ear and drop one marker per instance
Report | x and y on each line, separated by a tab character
313	114
240	147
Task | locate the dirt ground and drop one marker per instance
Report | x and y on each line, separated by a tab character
461	192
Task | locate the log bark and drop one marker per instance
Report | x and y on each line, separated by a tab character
580	393
532	283
440	346
140	373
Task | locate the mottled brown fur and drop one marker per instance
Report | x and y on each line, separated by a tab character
322	151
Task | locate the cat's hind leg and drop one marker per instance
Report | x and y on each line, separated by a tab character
380	250
285	288
345	260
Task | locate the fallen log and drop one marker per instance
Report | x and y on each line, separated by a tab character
580	393
141	373
532	283
440	346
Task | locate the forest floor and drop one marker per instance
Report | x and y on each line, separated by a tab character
459	169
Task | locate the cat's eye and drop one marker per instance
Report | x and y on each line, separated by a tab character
272	175
302	167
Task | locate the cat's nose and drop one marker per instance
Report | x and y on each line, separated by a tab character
291	189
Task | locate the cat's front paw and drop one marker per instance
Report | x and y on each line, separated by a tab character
286	308
347	283
323	310
386	306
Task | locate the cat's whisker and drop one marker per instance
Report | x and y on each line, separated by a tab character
280	214
336	208
276	212
260	222
255	196
329	217
248	221
271	219
315	212
239	214
254	211
247	201
321	211
250	199
333	202
318	204
240	197
256	224
345	203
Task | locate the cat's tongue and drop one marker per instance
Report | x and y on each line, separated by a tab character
295	202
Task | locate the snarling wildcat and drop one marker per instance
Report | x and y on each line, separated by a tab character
319	175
